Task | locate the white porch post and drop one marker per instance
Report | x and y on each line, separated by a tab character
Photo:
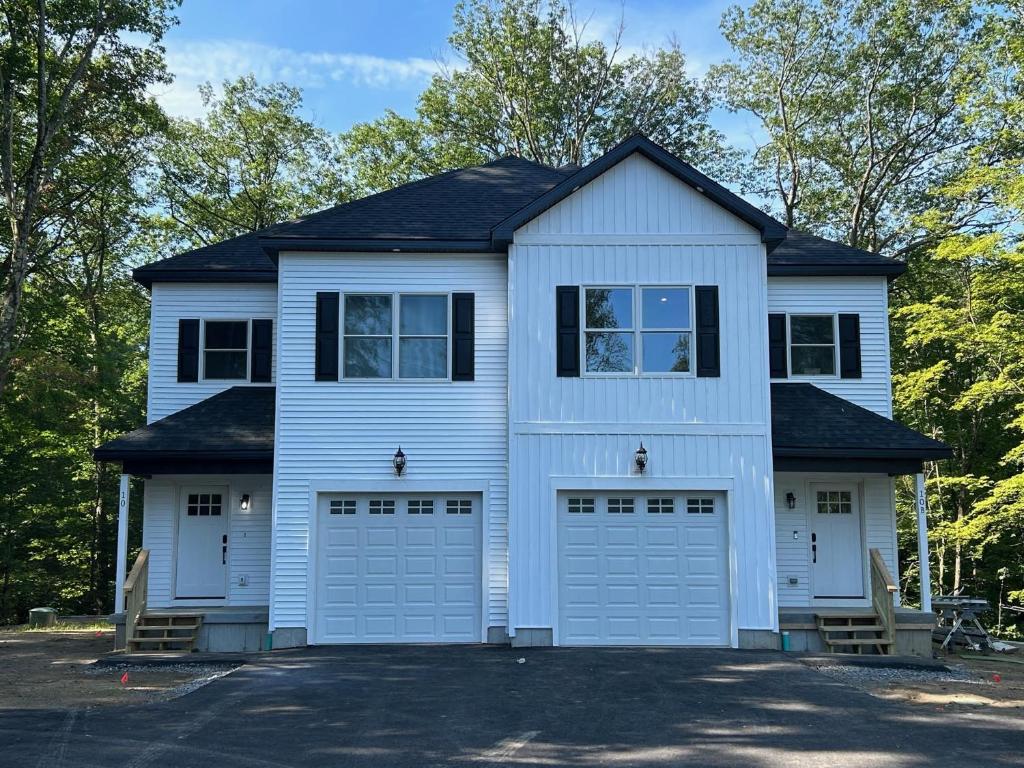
922	545
122	544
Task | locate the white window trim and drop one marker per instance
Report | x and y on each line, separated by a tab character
395	337
637	332
835	346
202	347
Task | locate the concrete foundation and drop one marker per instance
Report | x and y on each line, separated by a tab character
759	639
532	637
224	630
497	636
289	637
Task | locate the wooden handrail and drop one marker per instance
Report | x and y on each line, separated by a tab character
883	591
136	588
141	564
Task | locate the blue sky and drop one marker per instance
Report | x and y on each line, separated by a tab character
353	59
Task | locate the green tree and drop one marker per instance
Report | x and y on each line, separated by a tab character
67	69
859	101
250	162
530	83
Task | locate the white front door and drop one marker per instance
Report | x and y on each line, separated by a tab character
201	569
642	569
398	568
837	555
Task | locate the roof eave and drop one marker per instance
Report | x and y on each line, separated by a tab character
930	453
146	276
274	245
772	231
890	271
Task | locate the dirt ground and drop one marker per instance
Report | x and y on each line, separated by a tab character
983	690
47	670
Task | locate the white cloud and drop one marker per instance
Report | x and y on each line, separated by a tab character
195	62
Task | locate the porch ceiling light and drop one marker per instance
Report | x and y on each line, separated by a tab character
790	500
399	461
640	458
245	501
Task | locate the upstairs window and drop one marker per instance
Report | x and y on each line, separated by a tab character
812	345
388	336
608	318
638	330
226	349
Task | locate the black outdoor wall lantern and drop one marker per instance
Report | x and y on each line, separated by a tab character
790	500
640	458
399	461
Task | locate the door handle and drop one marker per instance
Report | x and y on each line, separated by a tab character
224	549
814	553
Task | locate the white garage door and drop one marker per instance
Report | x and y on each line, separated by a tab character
639	569
398	569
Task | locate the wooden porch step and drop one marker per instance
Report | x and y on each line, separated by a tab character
153	627
857	641
852	628
175	632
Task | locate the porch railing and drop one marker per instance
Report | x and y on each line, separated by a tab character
135	593
883	592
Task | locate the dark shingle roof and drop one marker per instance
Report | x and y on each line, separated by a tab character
460	205
809	422
475	210
804	254
239	424
235	424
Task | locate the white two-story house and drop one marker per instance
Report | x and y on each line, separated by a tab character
615	405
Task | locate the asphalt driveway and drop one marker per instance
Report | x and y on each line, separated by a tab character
462	706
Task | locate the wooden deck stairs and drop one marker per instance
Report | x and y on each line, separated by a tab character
860	631
155	631
853	633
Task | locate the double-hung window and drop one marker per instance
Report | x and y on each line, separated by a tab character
812	345
226	349
638	330
387	336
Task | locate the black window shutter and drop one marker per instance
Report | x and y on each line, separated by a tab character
849	346
463	343
262	351
777	367
188	350
567	311
708	356
327	336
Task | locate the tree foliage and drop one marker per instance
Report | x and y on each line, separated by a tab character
251	161
530	82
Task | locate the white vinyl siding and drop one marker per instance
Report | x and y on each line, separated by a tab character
637	225
248	536
864	296
793	535
336	435
172	302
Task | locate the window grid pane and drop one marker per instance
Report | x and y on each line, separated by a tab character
226	349
367	336
420	507
343	506
621	506
661	506
581	505
700	506
382	506
459	506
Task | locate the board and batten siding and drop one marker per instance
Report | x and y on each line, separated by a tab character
865	296
248	535
638	225
214	301
793	533
338	436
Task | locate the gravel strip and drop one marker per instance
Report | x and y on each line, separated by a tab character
185	668
852	674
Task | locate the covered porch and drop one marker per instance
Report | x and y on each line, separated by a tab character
835	524
201	580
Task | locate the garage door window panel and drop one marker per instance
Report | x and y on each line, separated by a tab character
581	505
459	506
621	506
343	506
662	505
700	506
420	507
382	506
